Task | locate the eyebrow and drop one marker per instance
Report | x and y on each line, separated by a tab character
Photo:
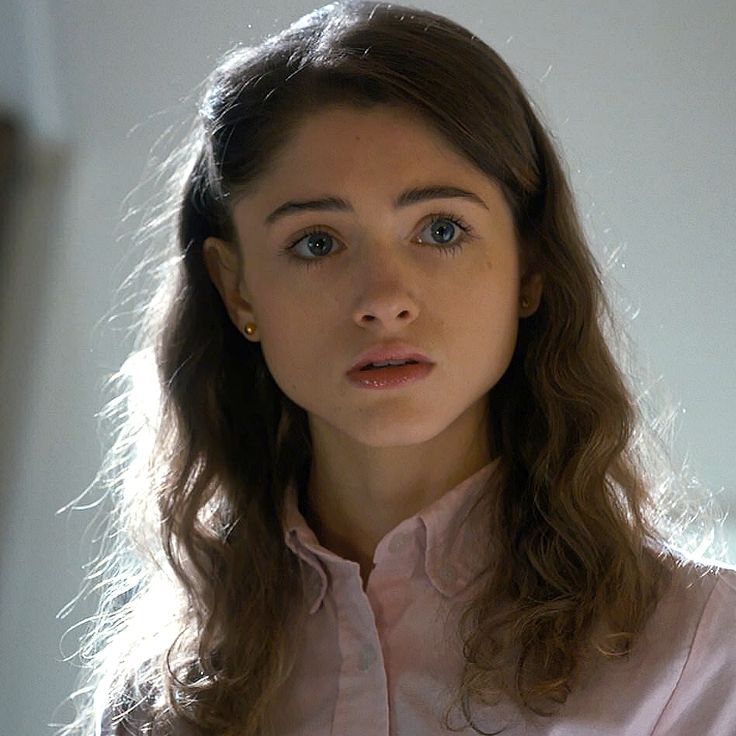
337	204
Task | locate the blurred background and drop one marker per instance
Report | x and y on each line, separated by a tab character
641	98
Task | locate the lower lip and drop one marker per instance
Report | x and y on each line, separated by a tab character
391	376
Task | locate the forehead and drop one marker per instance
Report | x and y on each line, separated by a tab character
384	146
344	122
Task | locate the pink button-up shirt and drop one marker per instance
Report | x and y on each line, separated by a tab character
384	659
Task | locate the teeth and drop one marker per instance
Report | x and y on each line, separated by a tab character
389	362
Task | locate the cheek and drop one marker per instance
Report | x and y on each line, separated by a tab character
495	283
491	313
281	356
290	326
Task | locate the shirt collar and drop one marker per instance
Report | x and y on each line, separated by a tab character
455	541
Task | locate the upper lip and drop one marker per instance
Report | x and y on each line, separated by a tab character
389	351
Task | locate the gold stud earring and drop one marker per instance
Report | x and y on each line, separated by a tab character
249	328
524	302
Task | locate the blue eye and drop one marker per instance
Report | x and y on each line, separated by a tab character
316	241
441	228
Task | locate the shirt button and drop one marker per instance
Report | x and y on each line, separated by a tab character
399	541
447	573
366	658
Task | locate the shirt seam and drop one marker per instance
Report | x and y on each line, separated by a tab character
687	659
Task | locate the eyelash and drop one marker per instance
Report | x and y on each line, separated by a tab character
445	250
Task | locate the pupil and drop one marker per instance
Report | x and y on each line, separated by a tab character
320	242
445	229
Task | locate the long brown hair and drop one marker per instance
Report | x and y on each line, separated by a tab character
200	595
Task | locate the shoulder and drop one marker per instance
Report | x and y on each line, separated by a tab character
700	608
700	582
715	635
705	593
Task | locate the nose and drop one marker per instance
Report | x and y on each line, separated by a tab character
387	317
385	287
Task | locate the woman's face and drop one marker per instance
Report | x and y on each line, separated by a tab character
441	273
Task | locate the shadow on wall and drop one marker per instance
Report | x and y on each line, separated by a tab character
31	185
9	164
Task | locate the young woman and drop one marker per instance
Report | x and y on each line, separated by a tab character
309	541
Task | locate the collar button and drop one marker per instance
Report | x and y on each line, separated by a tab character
447	573
399	541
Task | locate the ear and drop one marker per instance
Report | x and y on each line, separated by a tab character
531	288
223	265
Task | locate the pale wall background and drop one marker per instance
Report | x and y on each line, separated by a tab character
641	95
